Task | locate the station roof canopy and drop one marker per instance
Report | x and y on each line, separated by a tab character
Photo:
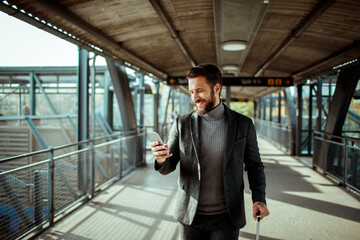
282	38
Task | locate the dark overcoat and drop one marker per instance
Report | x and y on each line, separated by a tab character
241	153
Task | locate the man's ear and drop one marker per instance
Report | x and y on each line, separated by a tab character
217	88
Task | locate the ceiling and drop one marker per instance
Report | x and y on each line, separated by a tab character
284	38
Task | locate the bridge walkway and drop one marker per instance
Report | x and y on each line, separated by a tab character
303	204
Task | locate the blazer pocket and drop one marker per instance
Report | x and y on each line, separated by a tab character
240	141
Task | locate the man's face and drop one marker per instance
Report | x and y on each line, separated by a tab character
203	95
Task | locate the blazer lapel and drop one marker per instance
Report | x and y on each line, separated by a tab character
230	135
195	134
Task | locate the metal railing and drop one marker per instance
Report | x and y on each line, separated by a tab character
338	157
34	195
277	133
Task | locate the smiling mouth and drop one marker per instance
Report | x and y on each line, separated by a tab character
199	103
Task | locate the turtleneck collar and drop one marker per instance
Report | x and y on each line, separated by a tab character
216	114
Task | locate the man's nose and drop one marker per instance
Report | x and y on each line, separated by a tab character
194	97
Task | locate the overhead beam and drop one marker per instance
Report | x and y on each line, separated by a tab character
69	16
345	87
174	34
123	95
296	33
328	59
255	29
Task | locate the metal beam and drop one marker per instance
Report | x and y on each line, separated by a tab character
79	42
156	107
319	106
141	91
328	59
345	87
123	95
127	111
83	115
296	33
32	94
83	100
69	16
291	114
108	100
279	107
165	96
66	14
174	34
47	99
299	120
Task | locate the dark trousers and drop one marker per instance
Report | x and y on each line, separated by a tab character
209	227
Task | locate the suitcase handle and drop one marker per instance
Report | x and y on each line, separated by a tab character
258	215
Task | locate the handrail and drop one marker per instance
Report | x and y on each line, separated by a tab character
40	182
273	123
36	117
124	134
346	138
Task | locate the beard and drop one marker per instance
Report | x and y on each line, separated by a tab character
210	104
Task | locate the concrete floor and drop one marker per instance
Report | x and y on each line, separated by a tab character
303	205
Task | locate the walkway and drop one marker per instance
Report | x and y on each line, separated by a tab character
303	205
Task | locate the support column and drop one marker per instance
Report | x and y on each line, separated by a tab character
123	95
142	93
165	96
173	100
263	105
156	107
291	114
181	103
319	103
108	101
83	100
299	120
32	95
83	115
228	97
122	91
345	87
310	130
259	108
255	108
271	106
279	107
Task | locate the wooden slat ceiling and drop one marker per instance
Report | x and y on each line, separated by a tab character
284	37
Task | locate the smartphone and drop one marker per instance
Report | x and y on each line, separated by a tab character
154	136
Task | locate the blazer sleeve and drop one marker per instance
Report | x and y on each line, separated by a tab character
173	143
254	166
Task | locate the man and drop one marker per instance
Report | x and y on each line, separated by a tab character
212	144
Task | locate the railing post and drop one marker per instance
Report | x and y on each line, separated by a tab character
345	161
92	169
325	154
38	181
113	162
120	157
51	184
134	140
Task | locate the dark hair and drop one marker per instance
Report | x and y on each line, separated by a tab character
209	71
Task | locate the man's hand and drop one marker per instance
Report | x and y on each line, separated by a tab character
160	152
260	206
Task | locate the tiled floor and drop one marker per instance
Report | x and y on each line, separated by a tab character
302	203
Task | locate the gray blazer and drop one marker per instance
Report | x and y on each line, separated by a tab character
241	150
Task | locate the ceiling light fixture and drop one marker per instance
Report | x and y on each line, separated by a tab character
237	45
230	68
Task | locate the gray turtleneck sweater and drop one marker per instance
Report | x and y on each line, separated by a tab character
212	136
